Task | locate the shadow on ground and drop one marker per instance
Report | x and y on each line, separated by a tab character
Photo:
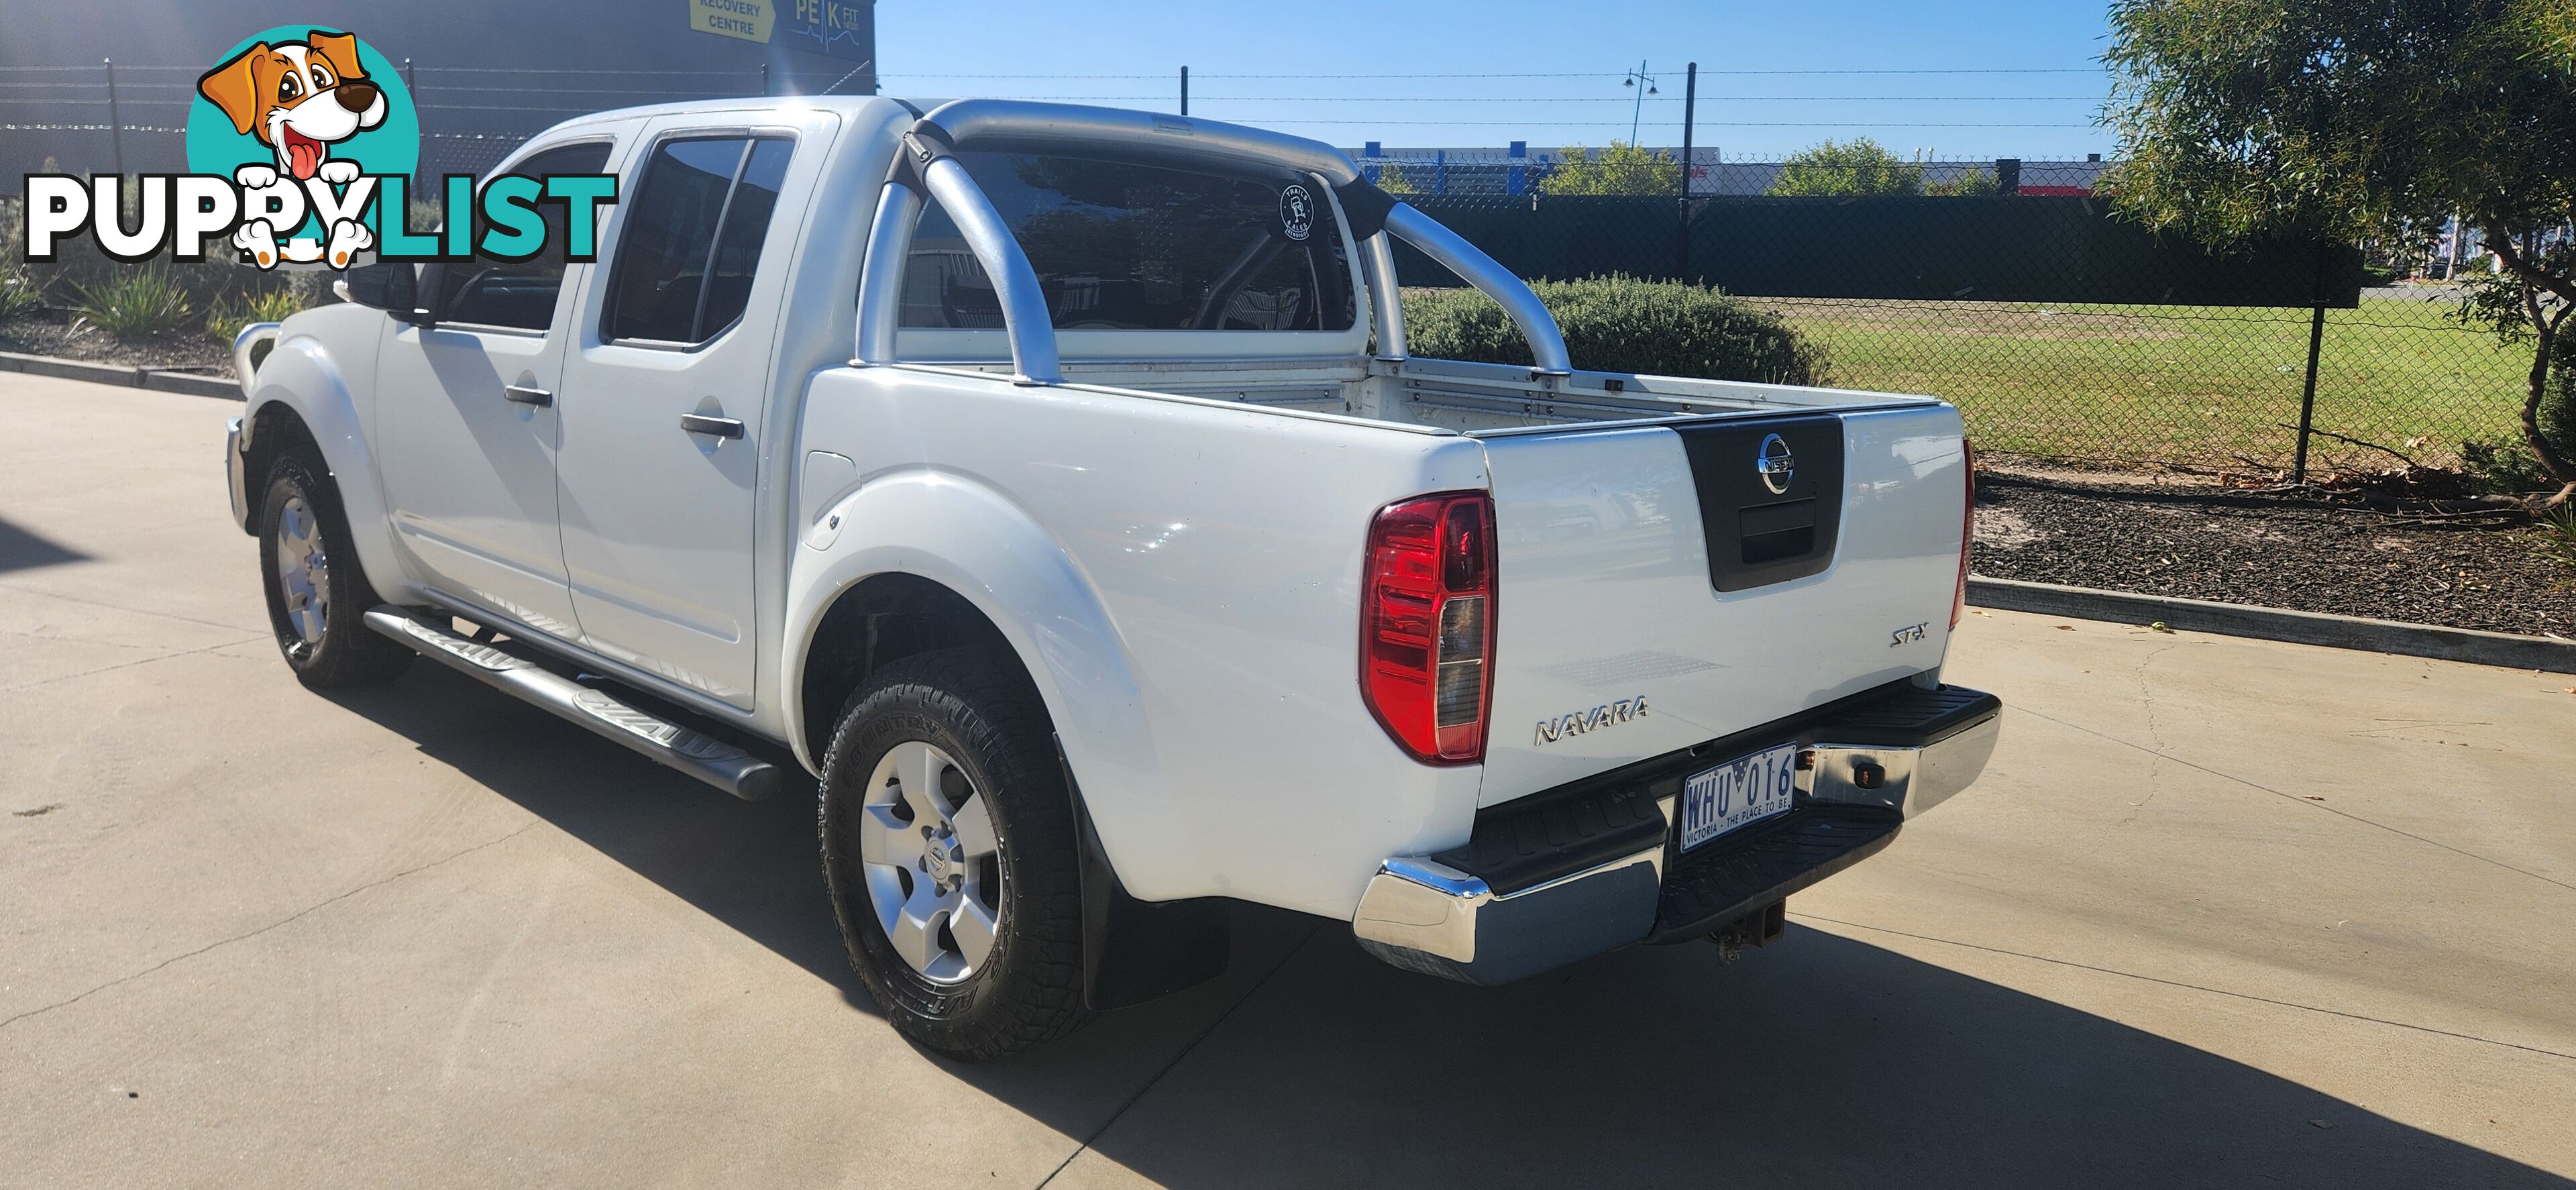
22	550
1820	1061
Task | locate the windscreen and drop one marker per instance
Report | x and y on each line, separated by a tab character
1126	246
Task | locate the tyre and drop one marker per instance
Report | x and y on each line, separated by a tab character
317	596
949	849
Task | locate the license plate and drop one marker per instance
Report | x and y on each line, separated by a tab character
1744	790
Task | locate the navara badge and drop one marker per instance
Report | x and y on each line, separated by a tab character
1606	715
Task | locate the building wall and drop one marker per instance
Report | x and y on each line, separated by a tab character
481	69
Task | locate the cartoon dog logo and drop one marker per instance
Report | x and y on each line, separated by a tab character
299	98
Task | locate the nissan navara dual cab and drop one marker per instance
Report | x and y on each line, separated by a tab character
1052	484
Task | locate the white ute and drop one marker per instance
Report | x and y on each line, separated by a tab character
1052	484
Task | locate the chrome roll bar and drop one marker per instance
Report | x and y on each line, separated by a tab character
1016	125
1025	317
1452	252
1019	125
881	276
1377	261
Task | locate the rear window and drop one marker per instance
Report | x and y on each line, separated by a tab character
683	271
1126	246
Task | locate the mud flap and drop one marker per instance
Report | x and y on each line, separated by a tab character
1134	951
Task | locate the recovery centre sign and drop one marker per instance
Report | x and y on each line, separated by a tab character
841	28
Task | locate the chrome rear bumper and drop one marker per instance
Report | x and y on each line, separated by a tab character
1422	915
1428	914
1909	780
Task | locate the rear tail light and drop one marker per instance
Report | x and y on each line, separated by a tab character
1967	533
1427	624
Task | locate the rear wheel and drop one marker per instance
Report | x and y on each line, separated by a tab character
317	596
948	845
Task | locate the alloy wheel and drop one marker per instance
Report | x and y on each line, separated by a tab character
303	570
931	861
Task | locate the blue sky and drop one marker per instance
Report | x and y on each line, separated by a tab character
1397	49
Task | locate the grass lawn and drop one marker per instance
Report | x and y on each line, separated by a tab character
2197	385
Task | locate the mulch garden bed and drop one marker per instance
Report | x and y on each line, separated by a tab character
61	334
2302	552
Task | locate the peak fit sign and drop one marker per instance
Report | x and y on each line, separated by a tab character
301	143
837	27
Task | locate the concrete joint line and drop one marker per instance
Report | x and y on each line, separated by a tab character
2270	623
283	921
90	600
1168	1067
2224	776
2191	987
124	665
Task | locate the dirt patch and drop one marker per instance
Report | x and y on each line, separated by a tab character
2270	551
62	334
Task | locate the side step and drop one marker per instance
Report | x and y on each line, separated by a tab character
699	755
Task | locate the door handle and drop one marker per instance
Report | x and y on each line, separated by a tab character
527	394
721	427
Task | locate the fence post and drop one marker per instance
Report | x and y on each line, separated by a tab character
411	81
115	124
1681	210
1185	90
2316	344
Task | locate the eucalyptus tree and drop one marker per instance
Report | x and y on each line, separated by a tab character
2355	119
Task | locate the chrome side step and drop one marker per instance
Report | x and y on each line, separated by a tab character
699	755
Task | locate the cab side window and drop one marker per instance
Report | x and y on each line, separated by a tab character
686	260
520	295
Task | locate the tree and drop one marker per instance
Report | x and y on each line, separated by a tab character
1622	168
1978	182
1390	178
1861	168
2355	119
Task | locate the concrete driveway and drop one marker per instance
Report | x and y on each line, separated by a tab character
2222	913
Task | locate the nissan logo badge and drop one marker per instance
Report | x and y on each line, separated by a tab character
1775	464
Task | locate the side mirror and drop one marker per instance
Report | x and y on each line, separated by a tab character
392	288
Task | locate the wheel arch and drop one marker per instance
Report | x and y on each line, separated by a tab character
930	561
949	546
301	399
875	622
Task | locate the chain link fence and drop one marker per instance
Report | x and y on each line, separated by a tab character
2062	332
2193	387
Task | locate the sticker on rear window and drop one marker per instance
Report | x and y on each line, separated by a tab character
1296	212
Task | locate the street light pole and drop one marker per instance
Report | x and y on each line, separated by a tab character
1690	116
115	122
1646	86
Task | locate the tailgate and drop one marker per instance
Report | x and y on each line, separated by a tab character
1718	573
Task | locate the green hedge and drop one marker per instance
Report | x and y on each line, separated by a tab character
1621	324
